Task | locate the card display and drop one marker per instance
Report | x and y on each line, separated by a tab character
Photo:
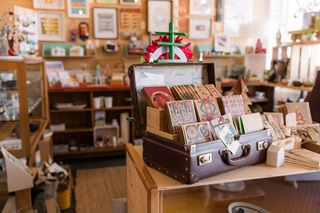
207	109
232	104
157	96
302	110
179	113
219	123
185	92
195	133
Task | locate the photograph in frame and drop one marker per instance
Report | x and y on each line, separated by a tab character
198	7
221	42
50	26
52	5
199	28
130	2
105	23
78	9
159	15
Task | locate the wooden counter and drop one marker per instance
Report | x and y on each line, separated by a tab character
148	190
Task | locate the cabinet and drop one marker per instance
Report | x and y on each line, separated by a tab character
23	101
157	192
75	127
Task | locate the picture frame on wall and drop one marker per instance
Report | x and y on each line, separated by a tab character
130	2
52	5
199	28
105	23
107	1
78	9
221	42
159	15
51	25
201	7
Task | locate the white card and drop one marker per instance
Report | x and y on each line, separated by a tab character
291	119
227	137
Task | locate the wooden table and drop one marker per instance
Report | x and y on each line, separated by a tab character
151	191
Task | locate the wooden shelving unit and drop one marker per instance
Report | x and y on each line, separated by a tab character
80	123
22	104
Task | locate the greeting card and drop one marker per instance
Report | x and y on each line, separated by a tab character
195	133
185	92
232	104
302	110
207	109
179	113
157	96
219	123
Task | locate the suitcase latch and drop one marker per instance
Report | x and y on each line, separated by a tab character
262	145
204	159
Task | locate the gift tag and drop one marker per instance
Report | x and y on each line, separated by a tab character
227	137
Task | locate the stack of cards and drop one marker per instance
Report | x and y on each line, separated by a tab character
303	157
208	91
179	113
185	92
195	133
157	96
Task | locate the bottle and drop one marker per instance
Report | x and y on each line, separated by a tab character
278	37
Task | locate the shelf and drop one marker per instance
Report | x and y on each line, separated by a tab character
46	50
35	137
74	130
6	129
95	152
301	88
34	104
85	88
70	110
114	108
256	100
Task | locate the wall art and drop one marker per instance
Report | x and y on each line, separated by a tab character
105	24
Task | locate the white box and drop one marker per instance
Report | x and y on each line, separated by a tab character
107	135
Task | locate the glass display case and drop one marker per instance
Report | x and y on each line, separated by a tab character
23	114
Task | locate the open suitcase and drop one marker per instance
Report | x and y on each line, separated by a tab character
188	164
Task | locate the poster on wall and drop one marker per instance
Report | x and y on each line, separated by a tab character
159	15
26	24
50	26
105	24
49	4
78	8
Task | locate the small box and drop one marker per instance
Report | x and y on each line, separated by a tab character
286	144
76	51
58	127
107	135
275	156
155	118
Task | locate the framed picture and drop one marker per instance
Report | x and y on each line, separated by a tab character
50	26
199	28
78	9
105	23
107	1
130	2
201	7
44	4
159	15
221	42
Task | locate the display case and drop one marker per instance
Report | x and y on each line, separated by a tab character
23	114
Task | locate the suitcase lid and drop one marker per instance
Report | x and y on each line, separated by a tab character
159	74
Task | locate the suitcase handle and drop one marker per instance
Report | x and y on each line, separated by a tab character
239	161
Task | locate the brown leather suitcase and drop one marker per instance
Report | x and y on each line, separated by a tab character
188	164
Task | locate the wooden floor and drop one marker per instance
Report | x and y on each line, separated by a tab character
96	188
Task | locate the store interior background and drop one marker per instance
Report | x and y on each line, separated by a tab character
244	21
